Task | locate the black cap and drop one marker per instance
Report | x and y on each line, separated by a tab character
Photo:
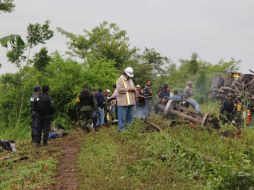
37	88
45	88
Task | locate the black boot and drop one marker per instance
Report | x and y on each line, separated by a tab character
45	143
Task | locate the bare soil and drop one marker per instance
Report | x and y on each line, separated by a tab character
66	176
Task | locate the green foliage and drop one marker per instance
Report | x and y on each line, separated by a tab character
202	87
12	39
41	59
106	41
36	34
154	59
6	6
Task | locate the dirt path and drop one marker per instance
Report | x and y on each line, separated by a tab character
66	176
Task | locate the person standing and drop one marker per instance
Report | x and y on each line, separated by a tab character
87	106
34	99
126	93
187	95
148	95
140	110
227	110
45	109
100	102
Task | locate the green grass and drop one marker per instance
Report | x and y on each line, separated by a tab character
32	173
27	175
19	133
179	158
109	160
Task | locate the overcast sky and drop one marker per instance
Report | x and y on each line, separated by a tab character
214	29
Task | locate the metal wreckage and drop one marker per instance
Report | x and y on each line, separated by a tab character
178	112
241	86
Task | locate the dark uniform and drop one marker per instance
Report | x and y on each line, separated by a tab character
34	132
228	111
45	110
87	107
33	101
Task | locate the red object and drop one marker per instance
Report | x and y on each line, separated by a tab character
248	117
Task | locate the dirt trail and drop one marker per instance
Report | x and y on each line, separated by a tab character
66	176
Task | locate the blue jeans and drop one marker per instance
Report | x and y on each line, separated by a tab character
148	107
140	111
194	104
100	117
125	116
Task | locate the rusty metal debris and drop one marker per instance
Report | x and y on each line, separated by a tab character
240	85
153	125
170	109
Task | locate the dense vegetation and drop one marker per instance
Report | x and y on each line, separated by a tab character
102	53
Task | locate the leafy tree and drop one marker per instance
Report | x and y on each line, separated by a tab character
154	59
201	86
192	64
106	41
36	34
41	59
6	6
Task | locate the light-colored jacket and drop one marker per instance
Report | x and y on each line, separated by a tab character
187	92
125	98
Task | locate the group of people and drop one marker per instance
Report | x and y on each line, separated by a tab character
233	110
126	102
187	96
98	108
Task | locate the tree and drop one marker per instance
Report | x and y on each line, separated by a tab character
6	6
154	59
106	41
41	59
193	63
36	34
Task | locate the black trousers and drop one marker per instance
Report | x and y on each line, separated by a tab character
43	127
34	132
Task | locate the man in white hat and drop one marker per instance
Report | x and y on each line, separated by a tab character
187	95
125	98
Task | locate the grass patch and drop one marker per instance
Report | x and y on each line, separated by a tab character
27	175
112	160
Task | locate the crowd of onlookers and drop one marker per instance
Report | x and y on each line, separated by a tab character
126	101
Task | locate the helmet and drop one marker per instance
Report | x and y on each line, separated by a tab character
129	71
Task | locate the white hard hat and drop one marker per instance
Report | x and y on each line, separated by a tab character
129	71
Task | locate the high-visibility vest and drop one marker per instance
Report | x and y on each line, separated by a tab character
127	93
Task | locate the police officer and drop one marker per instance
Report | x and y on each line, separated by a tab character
228	109
45	110
87	107
33	101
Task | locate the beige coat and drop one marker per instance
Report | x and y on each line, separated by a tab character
125	98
